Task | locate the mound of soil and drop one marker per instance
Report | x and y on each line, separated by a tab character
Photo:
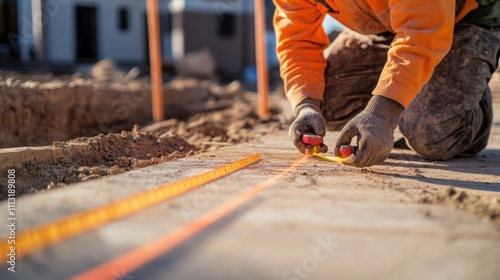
112	154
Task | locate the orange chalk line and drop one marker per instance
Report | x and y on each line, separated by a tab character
138	257
39	237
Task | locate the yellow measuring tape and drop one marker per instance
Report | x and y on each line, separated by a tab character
312	150
329	158
34	239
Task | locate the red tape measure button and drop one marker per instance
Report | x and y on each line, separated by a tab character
314	140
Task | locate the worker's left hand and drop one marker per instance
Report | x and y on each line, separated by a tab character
375	130
308	121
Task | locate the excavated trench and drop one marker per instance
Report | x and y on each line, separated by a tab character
56	132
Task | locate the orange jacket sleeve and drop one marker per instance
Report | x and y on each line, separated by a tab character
424	34
300	44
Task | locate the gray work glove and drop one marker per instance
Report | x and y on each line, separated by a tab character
374	127
308	121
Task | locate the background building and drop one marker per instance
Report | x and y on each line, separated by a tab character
81	31
76	32
73	32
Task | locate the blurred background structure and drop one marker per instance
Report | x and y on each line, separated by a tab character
83	65
60	35
76	32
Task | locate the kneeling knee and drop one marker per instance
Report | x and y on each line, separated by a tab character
423	141
432	151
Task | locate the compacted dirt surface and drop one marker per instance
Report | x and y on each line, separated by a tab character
229	118
406	218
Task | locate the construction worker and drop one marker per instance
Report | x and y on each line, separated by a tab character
422	65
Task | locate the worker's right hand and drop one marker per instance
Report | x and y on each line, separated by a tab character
374	128
308	121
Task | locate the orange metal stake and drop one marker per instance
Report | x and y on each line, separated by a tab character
155	60
260	52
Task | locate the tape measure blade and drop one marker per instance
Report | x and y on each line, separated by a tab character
39	237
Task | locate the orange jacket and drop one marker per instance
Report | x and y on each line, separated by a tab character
424	33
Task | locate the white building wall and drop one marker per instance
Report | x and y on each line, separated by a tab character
127	46
213	6
121	45
59	31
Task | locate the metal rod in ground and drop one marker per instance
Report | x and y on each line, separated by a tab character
260	52
155	60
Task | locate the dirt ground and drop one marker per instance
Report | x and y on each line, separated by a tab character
116	153
87	158
40	109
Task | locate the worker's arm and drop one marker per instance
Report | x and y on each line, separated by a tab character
300	44
424	33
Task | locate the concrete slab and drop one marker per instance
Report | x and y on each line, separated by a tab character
322	221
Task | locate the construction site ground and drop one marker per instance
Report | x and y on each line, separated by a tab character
406	218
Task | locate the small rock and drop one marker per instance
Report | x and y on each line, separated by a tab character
141	163
461	197
451	192
10	82
122	162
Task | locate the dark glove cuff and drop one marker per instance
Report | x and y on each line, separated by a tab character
385	108
311	103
